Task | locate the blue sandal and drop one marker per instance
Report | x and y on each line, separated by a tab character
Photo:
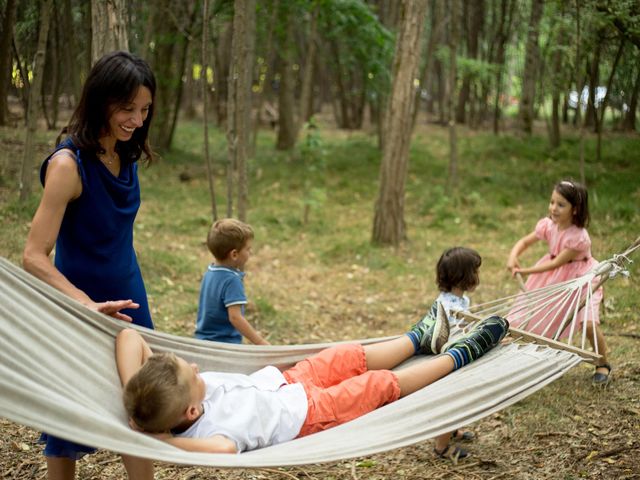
464	436
601	379
451	452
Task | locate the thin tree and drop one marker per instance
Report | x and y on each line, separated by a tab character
605	100
26	178
287	125
579	84
531	64
453	139
108	27
205	97
306	97
8	22
388	223
239	102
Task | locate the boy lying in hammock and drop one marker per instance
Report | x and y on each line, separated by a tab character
229	413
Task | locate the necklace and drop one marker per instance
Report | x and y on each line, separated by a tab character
108	159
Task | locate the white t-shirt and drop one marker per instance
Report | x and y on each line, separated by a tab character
254	410
453	303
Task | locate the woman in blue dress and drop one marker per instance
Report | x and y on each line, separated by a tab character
90	201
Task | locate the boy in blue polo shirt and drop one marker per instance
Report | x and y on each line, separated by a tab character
222	297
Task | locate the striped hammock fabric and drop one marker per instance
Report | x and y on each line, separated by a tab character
58	374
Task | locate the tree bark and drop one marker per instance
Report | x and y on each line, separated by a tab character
591	119
531	64
629	123
502	36
239	101
287	131
437	26
265	74
389	224
205	108
605	100
557	83
108	27
70	54
307	78
8	23
171	34
453	139
26	178
51	95
473	18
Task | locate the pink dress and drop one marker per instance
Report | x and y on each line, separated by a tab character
574	238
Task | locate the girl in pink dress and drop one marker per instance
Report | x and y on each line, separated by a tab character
569	257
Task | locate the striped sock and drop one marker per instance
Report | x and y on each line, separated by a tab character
415	340
460	357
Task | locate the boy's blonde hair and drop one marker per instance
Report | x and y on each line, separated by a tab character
156	396
226	235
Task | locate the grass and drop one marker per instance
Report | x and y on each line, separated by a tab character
324	281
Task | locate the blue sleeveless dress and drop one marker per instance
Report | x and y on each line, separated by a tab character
94	249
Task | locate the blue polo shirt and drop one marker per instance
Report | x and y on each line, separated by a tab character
220	289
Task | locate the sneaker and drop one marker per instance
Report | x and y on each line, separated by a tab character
433	330
480	339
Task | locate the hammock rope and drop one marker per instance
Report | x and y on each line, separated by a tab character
556	314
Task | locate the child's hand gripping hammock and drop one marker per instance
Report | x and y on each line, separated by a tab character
559	313
58	374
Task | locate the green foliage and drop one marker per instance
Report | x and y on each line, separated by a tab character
365	45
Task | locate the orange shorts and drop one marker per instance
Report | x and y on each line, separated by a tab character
339	387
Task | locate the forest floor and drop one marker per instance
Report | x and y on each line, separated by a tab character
337	287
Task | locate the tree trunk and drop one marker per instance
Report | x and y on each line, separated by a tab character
239	101
530	74
591	117
286	102
474	18
168	61
205	108
108	27
307	79
70	54
24	77
26	179
502	36
452	182
629	123
265	74
579	85
52	67
8	23
557	83
437	25
605	100
388	224
222	65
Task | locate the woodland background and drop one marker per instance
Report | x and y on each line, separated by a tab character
360	139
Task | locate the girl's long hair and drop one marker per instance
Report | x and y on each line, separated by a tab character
577	195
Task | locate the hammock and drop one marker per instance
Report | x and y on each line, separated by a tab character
58	374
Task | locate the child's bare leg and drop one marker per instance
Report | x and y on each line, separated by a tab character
387	355
138	468
598	339
61	468
419	375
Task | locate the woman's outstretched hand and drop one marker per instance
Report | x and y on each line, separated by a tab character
113	307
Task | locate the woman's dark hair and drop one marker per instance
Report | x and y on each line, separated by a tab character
112	83
458	267
576	194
